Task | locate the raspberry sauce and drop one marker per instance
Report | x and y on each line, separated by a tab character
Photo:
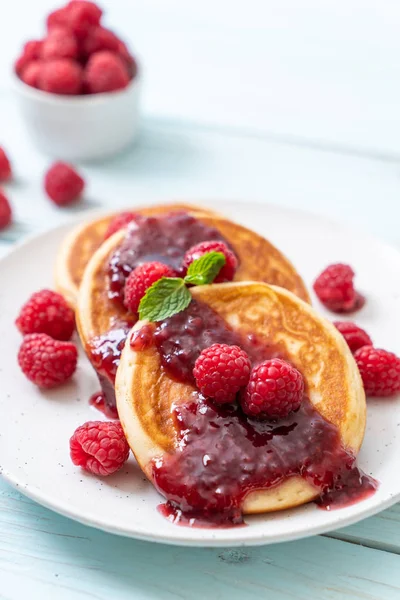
98	400
165	239
223	455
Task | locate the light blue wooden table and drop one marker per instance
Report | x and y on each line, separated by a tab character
206	137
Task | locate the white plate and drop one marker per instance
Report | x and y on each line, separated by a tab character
36	426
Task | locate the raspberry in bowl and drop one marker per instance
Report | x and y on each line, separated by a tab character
78	87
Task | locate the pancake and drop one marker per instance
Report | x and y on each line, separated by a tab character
81	243
148	395
98	313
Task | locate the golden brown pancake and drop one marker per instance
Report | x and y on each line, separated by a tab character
147	394
81	243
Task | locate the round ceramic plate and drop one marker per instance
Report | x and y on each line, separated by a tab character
36	425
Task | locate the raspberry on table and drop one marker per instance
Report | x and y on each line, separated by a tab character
221	371
275	389
5	211
31	73
119	221
379	370
47	312
82	16
5	166
63	184
335	289
60	76
100	38
227	272
353	334
105	72
99	447
45	361
140	279
60	43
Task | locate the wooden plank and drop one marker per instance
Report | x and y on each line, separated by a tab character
43	555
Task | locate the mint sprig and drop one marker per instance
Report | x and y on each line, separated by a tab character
170	295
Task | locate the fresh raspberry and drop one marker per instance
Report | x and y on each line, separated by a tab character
353	334
127	57
60	43
227	272
63	184
61	76
5	166
274	390
5	211
31	73
220	371
105	72
380	371
335	289
47	312
120	221
99	447
31	51
82	16
57	18
100	38
140	279
47	362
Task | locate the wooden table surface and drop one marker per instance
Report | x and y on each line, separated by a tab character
201	153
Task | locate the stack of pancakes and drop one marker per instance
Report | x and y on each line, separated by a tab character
267	298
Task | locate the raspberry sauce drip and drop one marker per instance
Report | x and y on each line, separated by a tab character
98	400
223	455
165	239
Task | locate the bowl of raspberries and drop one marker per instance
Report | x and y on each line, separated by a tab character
78	87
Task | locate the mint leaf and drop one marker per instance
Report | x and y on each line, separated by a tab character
204	270
166	297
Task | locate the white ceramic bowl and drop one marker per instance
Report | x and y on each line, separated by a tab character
80	127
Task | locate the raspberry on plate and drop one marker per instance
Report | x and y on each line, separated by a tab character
99	447
275	389
335	289
227	272
61	76
140	279
120	221
353	334
47	362
5	166
5	211
63	184
105	72
47	312
220	371
380	371
60	43
82	16
30	74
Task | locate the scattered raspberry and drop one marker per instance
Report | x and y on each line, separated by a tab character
61	76
140	279
335	289
63	184
82	16
47	312
274	390
353	334
5	166
227	272
47	362
105	72
31	73
5	211
99	447
60	43
98	39
220	371
120	221
380	371
57	18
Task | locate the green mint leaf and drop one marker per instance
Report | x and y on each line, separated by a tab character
166	297
204	270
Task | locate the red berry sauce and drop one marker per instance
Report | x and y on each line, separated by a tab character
223	455
98	400
165	239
